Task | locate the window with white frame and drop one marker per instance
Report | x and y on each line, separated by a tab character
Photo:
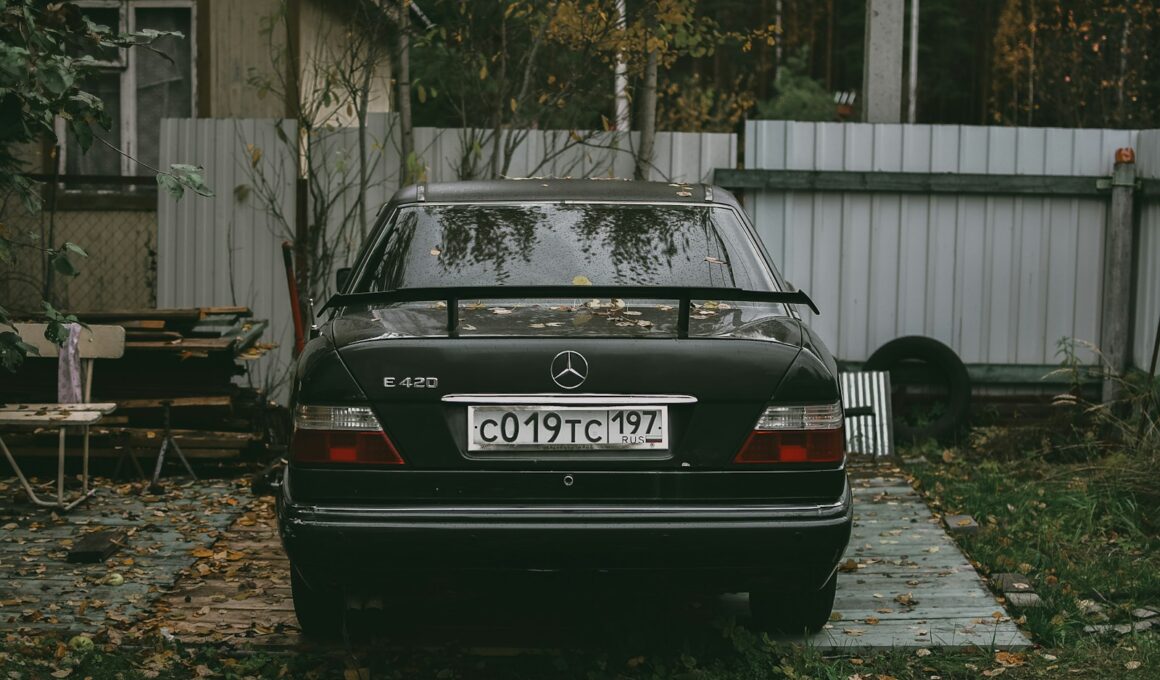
137	86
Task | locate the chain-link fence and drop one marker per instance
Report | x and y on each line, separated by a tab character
113	219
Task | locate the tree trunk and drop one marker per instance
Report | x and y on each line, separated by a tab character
648	118
362	108
406	132
647	111
497	139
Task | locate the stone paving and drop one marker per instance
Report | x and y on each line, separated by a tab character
41	591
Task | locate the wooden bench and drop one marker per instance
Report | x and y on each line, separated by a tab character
60	416
95	342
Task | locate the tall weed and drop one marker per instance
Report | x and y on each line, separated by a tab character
1119	440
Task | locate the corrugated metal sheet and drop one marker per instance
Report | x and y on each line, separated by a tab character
1001	280
678	157
873	433
688	157
227	250
1148	265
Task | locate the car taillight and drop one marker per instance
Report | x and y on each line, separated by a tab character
340	434
812	433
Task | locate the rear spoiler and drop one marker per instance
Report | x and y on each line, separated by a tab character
452	296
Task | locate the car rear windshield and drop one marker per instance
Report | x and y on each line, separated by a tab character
564	244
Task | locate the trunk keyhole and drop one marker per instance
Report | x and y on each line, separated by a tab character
568	480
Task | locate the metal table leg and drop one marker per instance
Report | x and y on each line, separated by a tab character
166	443
32	497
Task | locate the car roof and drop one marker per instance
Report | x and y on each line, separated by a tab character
538	190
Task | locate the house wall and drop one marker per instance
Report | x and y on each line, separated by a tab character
232	47
240	39
325	42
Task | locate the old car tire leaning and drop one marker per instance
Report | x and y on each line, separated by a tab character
793	611
319	613
941	360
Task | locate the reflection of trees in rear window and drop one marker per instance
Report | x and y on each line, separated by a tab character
556	245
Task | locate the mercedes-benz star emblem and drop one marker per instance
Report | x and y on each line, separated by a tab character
569	369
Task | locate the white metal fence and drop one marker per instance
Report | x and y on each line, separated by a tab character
1001	279
1148	253
227	250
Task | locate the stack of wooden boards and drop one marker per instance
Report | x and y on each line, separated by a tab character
189	357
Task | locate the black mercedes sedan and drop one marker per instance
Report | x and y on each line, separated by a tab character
590	376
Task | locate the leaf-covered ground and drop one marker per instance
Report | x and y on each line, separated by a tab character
42	593
1090	553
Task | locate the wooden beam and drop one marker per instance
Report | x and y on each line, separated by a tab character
108	451
1148	189
908	182
1119	250
229	311
141	200
249	335
1012	374
177	402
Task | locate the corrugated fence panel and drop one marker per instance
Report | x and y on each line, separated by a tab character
678	156
226	250
1000	279
1148	265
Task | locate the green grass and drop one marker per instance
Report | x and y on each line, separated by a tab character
1074	539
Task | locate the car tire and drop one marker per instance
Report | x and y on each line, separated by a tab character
793	611
943	361
319	612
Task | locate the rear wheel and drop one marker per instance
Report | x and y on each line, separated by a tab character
793	611
319	612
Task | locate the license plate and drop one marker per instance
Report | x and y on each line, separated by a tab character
547	428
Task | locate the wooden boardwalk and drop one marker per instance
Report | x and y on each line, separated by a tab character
41	591
905	584
203	564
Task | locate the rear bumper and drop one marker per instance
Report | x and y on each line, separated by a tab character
731	547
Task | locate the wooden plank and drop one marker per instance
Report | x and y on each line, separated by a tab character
97	546
156	336
1148	188
54	418
176	402
907	182
250	334
143	324
98	407
220	311
114	315
1115	339
95	342
204	439
209	453
949	604
184	344
273	603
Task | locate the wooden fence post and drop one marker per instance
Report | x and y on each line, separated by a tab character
1115	325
